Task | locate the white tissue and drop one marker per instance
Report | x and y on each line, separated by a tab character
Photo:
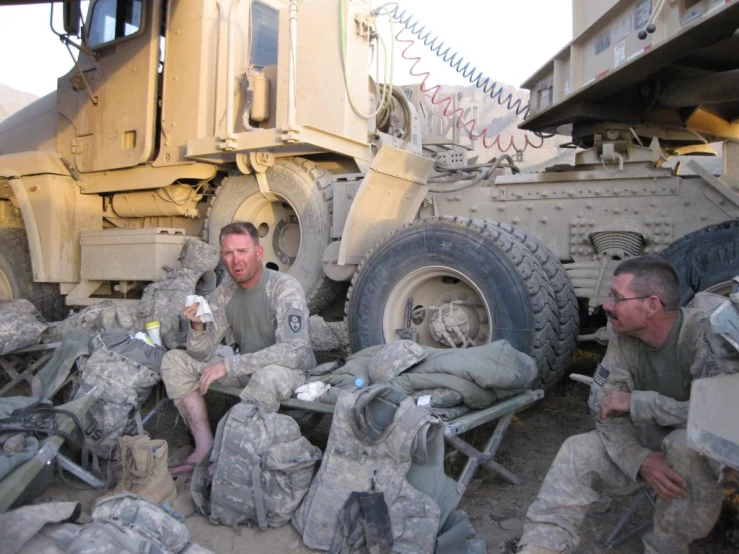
310	391
144	337
204	312
424	400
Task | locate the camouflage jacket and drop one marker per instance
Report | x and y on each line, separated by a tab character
652	415
292	346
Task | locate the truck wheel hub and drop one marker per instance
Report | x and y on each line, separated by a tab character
450	325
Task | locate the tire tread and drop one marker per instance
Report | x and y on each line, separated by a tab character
537	284
45	296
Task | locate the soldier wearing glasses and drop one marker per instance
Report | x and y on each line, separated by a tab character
640	399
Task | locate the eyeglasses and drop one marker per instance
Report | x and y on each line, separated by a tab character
616	299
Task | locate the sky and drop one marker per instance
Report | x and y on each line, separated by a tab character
507	40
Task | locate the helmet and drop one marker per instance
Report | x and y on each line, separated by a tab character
393	359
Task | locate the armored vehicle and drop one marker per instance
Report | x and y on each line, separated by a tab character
179	117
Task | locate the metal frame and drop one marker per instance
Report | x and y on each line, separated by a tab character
27	374
14	483
614	539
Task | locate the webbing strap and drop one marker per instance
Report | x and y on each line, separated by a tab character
130	544
139	422
256	483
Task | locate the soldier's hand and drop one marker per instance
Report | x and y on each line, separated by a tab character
191	313
665	481
211	375
616	402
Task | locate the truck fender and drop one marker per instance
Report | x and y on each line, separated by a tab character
17	170
390	195
29	220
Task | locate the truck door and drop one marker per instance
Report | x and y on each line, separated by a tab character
115	120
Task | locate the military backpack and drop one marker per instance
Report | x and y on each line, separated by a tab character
264	468
121	383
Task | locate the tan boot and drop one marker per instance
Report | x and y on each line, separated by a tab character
151	478
533	549
125	462
144	469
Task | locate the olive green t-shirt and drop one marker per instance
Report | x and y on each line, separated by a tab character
661	369
252	317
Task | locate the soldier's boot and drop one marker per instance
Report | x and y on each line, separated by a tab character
149	476
125	461
533	549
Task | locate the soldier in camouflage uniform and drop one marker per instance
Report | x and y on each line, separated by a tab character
266	314
640	397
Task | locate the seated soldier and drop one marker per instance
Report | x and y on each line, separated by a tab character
640	396
266	313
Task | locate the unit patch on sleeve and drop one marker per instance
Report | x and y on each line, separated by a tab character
296	324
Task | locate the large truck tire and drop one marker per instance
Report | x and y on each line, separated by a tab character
706	259
16	276
473	274
293	232
568	313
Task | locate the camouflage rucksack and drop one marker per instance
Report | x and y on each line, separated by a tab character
121	385
20	325
264	469
123	523
164	300
93	319
126	523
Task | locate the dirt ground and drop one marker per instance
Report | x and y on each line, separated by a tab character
496	508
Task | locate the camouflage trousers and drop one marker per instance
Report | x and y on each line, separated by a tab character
268	385
582	470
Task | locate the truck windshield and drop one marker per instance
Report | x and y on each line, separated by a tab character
113	19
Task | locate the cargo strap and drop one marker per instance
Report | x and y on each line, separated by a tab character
256	482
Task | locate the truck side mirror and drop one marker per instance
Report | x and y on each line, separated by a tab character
72	15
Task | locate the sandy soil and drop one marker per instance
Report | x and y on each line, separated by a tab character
496	508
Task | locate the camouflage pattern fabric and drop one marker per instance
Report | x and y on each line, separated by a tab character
181	374
629	440
19	527
610	457
164	300
447	414
268	386
137	519
582	470
351	465
393	359
292	348
199	255
21	324
120	524
264	469
121	386
93	319
481	375
440	398
271	385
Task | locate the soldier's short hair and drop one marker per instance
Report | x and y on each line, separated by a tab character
240	228
653	276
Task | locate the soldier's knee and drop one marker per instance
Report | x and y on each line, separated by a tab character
586	442
579	450
677	442
681	457
273	383
175	364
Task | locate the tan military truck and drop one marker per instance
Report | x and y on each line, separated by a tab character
180	116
